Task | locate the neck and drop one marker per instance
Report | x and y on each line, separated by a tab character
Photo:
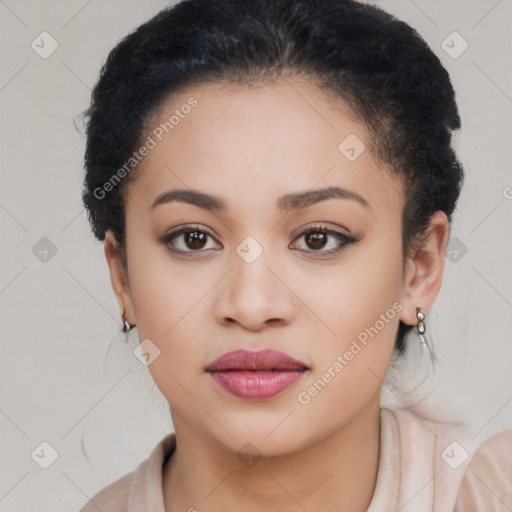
336	472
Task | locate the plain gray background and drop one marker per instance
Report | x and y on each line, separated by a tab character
58	312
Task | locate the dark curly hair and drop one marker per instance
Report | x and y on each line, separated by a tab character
378	65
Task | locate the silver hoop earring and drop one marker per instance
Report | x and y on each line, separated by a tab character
127	326
420	328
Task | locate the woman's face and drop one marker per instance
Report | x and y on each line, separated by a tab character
246	277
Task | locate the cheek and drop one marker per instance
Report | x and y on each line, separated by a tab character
355	299
169	313
351	364
167	307
164	291
356	322
341	388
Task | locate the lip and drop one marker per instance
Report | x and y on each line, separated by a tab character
256	375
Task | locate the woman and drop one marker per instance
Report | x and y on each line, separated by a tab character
274	183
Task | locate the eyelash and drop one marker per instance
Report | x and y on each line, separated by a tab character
344	239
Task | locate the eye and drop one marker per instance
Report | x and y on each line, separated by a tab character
192	237
321	237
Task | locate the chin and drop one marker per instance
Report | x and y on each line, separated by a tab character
266	437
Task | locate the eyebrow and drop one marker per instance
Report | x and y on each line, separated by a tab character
286	203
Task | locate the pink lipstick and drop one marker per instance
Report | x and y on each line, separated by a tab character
256	375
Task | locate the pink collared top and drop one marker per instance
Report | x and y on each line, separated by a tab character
421	467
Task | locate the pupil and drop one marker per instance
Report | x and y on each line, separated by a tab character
195	240
316	240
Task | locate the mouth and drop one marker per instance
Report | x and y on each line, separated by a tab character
256	375
263	360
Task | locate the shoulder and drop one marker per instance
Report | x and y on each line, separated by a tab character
139	489
113	498
433	456
487	483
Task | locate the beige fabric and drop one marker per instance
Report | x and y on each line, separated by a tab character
412	474
487	484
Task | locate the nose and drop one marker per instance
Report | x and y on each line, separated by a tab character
255	295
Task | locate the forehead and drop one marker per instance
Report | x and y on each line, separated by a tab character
251	145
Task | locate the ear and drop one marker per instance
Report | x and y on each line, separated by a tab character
118	276
424	270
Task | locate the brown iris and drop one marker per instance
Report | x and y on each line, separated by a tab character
195	239
316	240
